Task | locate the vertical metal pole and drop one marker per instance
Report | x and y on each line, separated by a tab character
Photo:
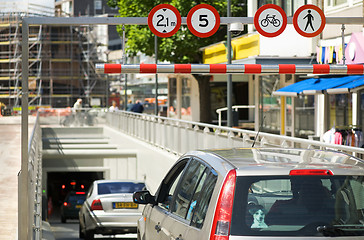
229	79
283	116
125	76
156	75
23	190
343	41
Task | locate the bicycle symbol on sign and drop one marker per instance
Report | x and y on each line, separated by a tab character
270	19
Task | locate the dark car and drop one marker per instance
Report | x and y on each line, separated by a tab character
72	205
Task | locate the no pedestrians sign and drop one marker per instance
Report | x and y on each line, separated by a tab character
309	20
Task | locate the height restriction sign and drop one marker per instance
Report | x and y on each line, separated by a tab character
309	20
164	20
270	20
203	20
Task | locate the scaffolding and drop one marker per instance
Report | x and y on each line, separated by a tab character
61	64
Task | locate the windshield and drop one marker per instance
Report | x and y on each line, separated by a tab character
299	206
119	187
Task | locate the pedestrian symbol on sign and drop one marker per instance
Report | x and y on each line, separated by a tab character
310	18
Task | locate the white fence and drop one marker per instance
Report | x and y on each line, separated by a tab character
34	182
179	136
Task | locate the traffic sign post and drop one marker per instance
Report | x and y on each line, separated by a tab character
203	20
309	20
164	20
270	20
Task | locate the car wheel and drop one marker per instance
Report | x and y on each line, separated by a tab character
63	219
89	235
80	233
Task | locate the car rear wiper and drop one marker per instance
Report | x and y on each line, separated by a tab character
341	230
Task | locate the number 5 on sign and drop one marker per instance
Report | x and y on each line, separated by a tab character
203	20
164	20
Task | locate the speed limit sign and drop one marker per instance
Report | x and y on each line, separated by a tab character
164	20
203	20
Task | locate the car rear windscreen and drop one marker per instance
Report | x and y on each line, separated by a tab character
299	206
119	187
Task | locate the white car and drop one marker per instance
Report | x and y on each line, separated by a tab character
109	208
257	193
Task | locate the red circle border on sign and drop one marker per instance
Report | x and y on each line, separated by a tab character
150	20
323	20
256	20
189	23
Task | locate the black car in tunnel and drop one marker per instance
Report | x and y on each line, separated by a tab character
60	186
71	205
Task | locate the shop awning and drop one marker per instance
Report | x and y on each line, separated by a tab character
319	85
348	87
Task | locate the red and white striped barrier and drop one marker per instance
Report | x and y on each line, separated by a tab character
231	68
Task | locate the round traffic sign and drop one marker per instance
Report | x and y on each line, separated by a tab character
203	20
309	20
270	20
164	20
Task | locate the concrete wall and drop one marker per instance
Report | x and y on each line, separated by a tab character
289	43
40	7
152	163
145	162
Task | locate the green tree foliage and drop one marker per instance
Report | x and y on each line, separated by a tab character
183	47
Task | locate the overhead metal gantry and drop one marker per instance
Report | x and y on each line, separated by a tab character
24	223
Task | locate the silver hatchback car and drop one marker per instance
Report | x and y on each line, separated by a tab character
109	208
257	193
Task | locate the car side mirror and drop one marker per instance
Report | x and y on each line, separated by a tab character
143	197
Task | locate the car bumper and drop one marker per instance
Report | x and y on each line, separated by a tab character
109	223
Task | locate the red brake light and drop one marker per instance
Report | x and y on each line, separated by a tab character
73	183
65	204
96	205
82	186
224	208
311	172
80	192
63	186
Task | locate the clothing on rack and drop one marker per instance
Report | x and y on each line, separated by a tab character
349	136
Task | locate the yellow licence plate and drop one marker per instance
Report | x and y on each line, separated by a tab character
78	206
125	205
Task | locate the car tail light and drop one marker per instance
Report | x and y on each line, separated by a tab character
224	208
96	205
80	193
310	172
66	204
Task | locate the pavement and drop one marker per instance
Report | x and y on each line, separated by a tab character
10	164
47	233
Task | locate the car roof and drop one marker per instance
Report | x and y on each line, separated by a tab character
280	161
117	181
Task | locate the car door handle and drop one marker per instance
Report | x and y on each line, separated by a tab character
158	228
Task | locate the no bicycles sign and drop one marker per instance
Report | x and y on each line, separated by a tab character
270	20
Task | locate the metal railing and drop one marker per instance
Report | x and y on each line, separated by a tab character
35	181
179	136
235	108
